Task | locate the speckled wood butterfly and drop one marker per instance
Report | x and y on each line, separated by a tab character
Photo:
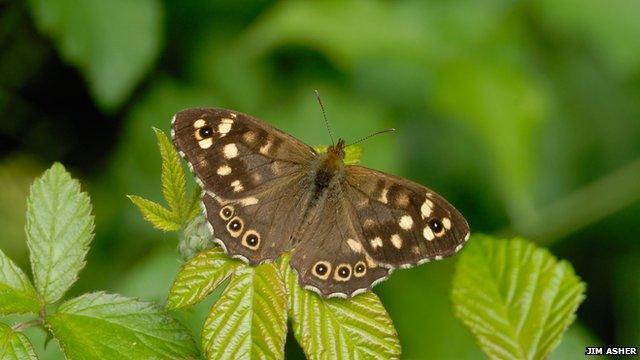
266	192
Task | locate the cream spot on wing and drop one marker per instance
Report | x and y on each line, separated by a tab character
226	121
438	257
199	123
429	195
426	208
233	115
230	151
396	240
206	143
265	148
466	237
237	186
354	245
224	170
428	233
370	262
368	223
383	196
224	128
376	243
249	201
256	177
406	222
416	249
447	223
458	248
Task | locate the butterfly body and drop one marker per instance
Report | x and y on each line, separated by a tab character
348	227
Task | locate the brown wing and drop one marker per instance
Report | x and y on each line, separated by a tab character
253	179
233	155
329	258
402	223
260	231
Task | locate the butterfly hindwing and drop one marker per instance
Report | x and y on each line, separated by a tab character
256	232
403	223
329	258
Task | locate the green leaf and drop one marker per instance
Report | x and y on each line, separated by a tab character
113	43
516	298
353	153
200	276
14	345
174	184
194	207
17	295
338	328
249	321
158	216
111	326
59	230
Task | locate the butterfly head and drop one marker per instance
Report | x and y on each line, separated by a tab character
337	151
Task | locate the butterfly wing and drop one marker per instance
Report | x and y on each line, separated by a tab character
401	222
249	172
234	155
329	258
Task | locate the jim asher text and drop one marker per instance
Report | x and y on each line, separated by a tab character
611	350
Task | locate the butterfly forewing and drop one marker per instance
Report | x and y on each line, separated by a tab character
250	172
233	155
402	223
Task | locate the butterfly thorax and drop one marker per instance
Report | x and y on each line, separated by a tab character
329	168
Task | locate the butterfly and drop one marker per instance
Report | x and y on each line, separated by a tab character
266	193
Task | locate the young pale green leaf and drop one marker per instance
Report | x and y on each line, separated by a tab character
174	184
516	298
195	238
249	321
338	328
110	326
200	276
14	345
113	43
352	156
194	206
59	230
158	216
17	295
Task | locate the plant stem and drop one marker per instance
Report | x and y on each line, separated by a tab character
587	205
26	324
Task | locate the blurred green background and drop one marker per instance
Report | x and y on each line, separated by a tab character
524	114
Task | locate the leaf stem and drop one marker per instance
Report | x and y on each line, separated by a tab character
27	324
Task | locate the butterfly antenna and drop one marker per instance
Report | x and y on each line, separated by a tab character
324	115
372	135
